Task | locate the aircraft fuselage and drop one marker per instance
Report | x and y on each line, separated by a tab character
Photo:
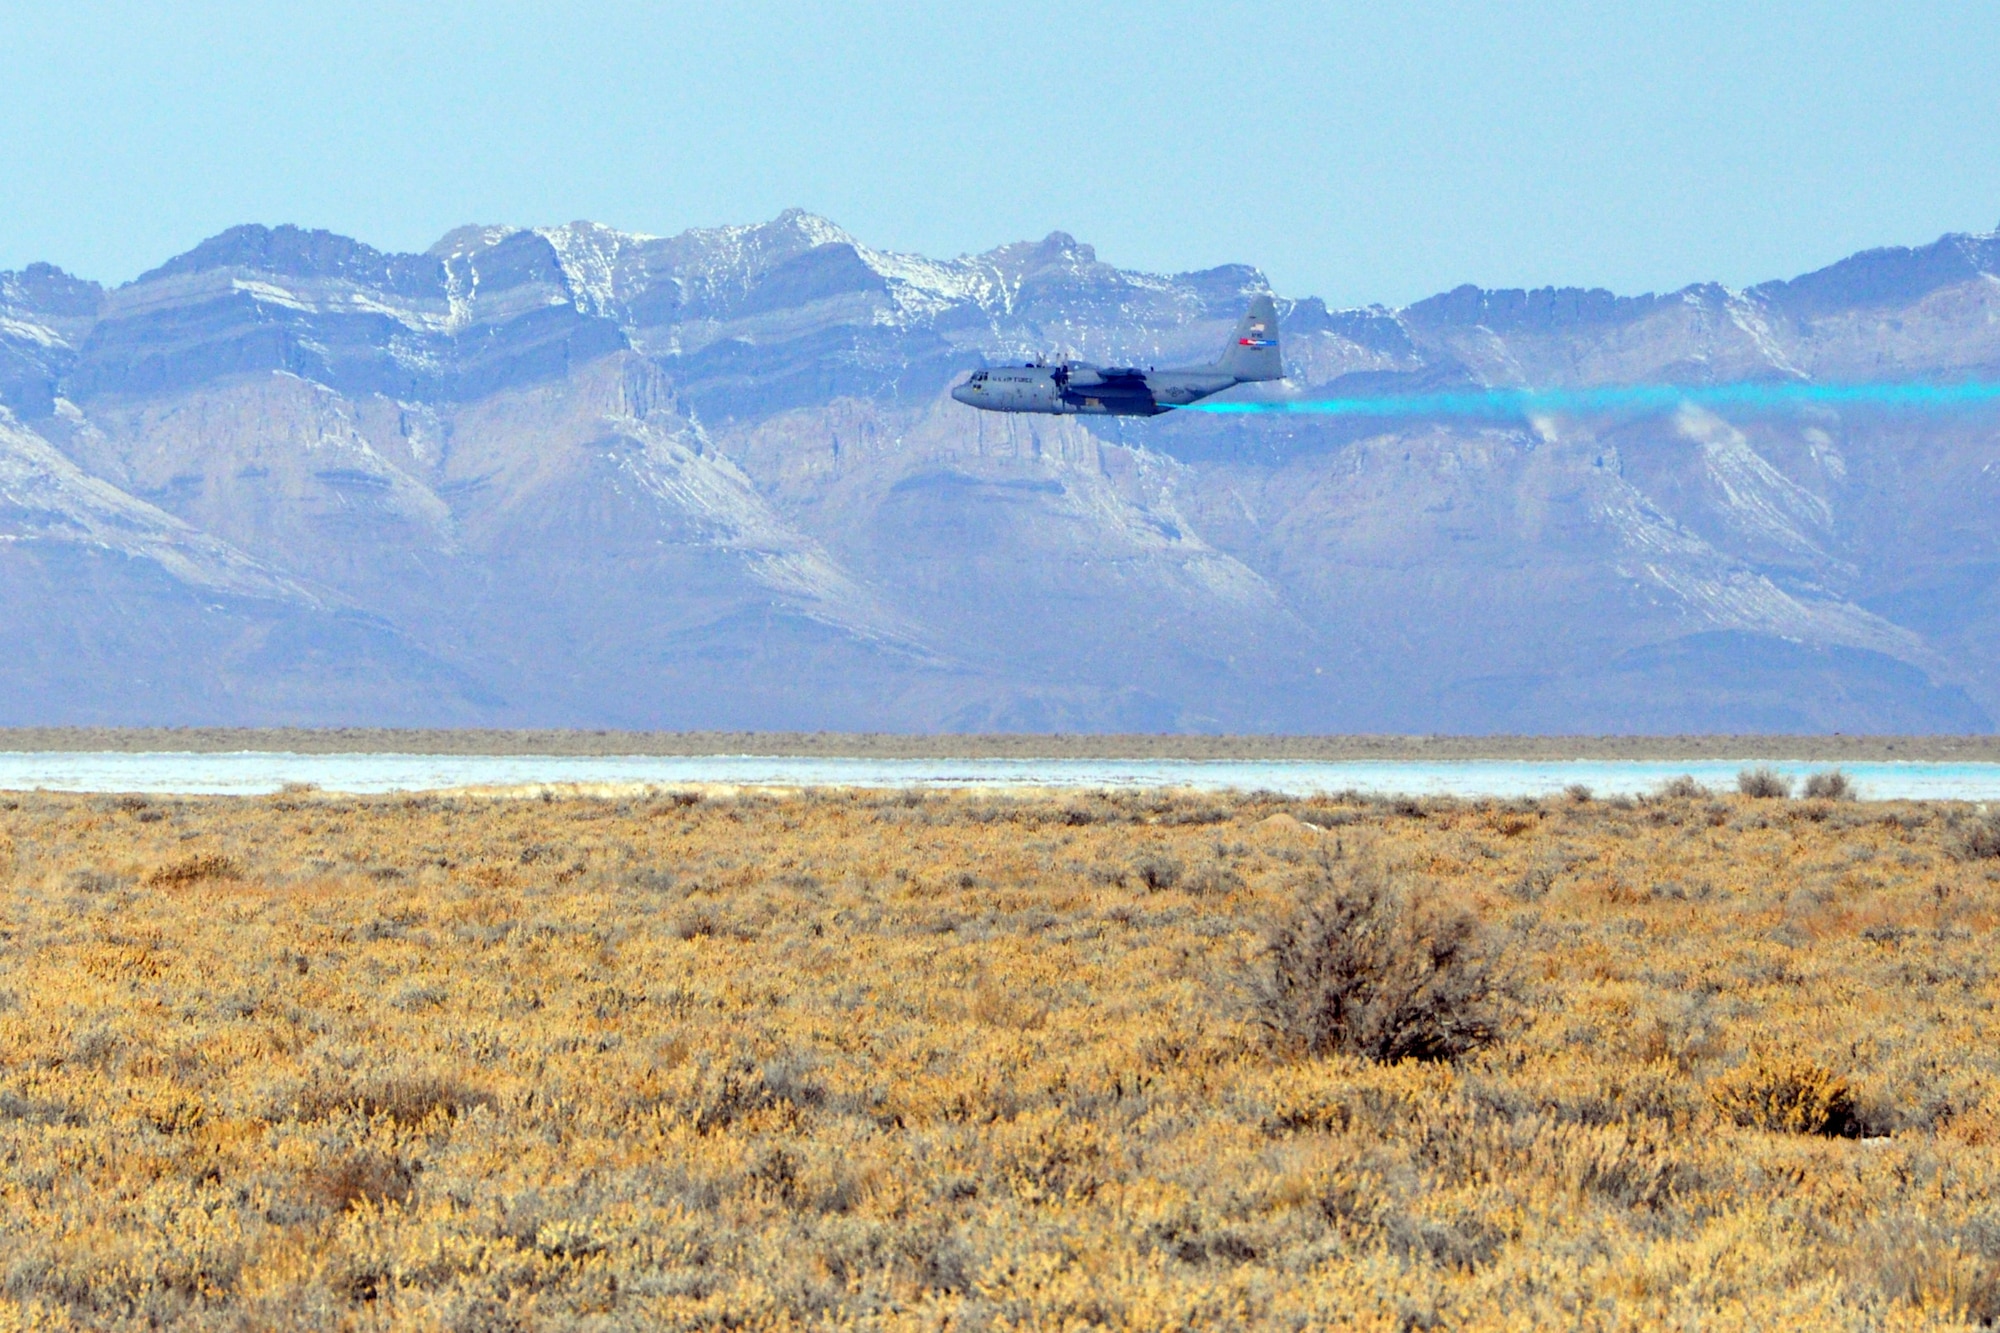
1074	389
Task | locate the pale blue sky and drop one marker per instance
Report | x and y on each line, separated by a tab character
1359	152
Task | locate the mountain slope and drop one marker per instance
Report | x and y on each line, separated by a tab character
572	475
118	612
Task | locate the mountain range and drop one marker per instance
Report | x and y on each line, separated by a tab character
572	476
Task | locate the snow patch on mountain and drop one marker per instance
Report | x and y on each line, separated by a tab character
45	497
1128	501
1758	498
720	262
1718	592
704	486
1748	318
40	334
594	258
460	249
268	294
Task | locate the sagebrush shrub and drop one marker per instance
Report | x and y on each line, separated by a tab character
695	922
89	879
1830	785
1369	966
1764	783
1788	1094
374	1177
1982	841
1213	878
193	870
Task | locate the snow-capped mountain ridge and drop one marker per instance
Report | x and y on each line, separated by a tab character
580	475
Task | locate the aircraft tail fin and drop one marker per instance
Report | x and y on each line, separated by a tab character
1253	352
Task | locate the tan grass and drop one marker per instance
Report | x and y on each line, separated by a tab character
893	1061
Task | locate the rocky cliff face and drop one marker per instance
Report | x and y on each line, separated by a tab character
574	476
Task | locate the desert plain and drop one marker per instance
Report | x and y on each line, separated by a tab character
893	1059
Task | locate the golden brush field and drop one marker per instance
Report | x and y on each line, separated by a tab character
981	1062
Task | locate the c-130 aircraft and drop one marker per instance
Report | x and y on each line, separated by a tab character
1126	391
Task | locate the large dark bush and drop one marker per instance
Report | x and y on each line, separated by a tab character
1368	965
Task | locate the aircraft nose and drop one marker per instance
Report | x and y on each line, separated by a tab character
963	392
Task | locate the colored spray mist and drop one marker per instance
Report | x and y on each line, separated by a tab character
1632	399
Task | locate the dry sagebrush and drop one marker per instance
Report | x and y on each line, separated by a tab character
1368	966
319	1062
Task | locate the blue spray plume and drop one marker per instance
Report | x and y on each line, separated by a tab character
1633	399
